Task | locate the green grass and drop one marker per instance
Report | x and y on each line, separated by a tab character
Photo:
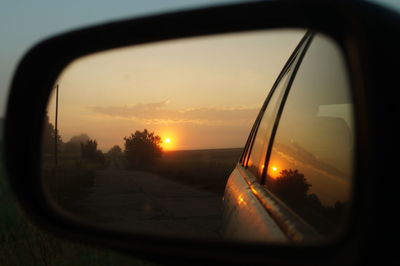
22	243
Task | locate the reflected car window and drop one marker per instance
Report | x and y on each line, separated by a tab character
257	155
311	163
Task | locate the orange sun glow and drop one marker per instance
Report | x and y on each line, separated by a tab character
168	144
273	171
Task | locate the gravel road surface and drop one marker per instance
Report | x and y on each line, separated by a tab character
146	202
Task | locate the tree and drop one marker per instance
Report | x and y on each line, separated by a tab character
74	144
291	186
114	156
142	149
91	153
48	136
115	152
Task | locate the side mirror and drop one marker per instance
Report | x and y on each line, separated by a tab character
167	103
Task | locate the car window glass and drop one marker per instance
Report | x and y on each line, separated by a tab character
311	163
257	155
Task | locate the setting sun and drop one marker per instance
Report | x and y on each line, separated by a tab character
168	144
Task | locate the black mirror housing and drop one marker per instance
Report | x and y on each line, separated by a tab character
368	36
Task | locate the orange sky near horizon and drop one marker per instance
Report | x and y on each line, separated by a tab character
200	93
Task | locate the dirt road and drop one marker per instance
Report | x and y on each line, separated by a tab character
145	202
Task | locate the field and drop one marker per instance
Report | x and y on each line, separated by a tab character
202	169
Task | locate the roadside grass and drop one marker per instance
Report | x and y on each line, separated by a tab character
69	181
22	243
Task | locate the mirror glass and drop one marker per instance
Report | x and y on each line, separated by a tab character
145	138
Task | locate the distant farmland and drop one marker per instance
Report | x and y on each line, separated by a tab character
202	169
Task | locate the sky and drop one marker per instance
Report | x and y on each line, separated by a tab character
24	23
199	93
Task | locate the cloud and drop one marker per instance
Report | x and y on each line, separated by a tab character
158	112
128	110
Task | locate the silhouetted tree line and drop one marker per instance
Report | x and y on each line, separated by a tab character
48	137
91	153
80	145
73	146
115	152
292	187
142	149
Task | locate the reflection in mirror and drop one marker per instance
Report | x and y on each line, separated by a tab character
144	138
311	163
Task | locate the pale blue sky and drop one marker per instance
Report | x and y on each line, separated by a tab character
25	22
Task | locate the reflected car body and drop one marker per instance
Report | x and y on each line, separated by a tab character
294	180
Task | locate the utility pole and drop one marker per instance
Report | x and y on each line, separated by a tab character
56	129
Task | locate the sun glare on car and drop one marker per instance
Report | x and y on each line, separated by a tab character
273	171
